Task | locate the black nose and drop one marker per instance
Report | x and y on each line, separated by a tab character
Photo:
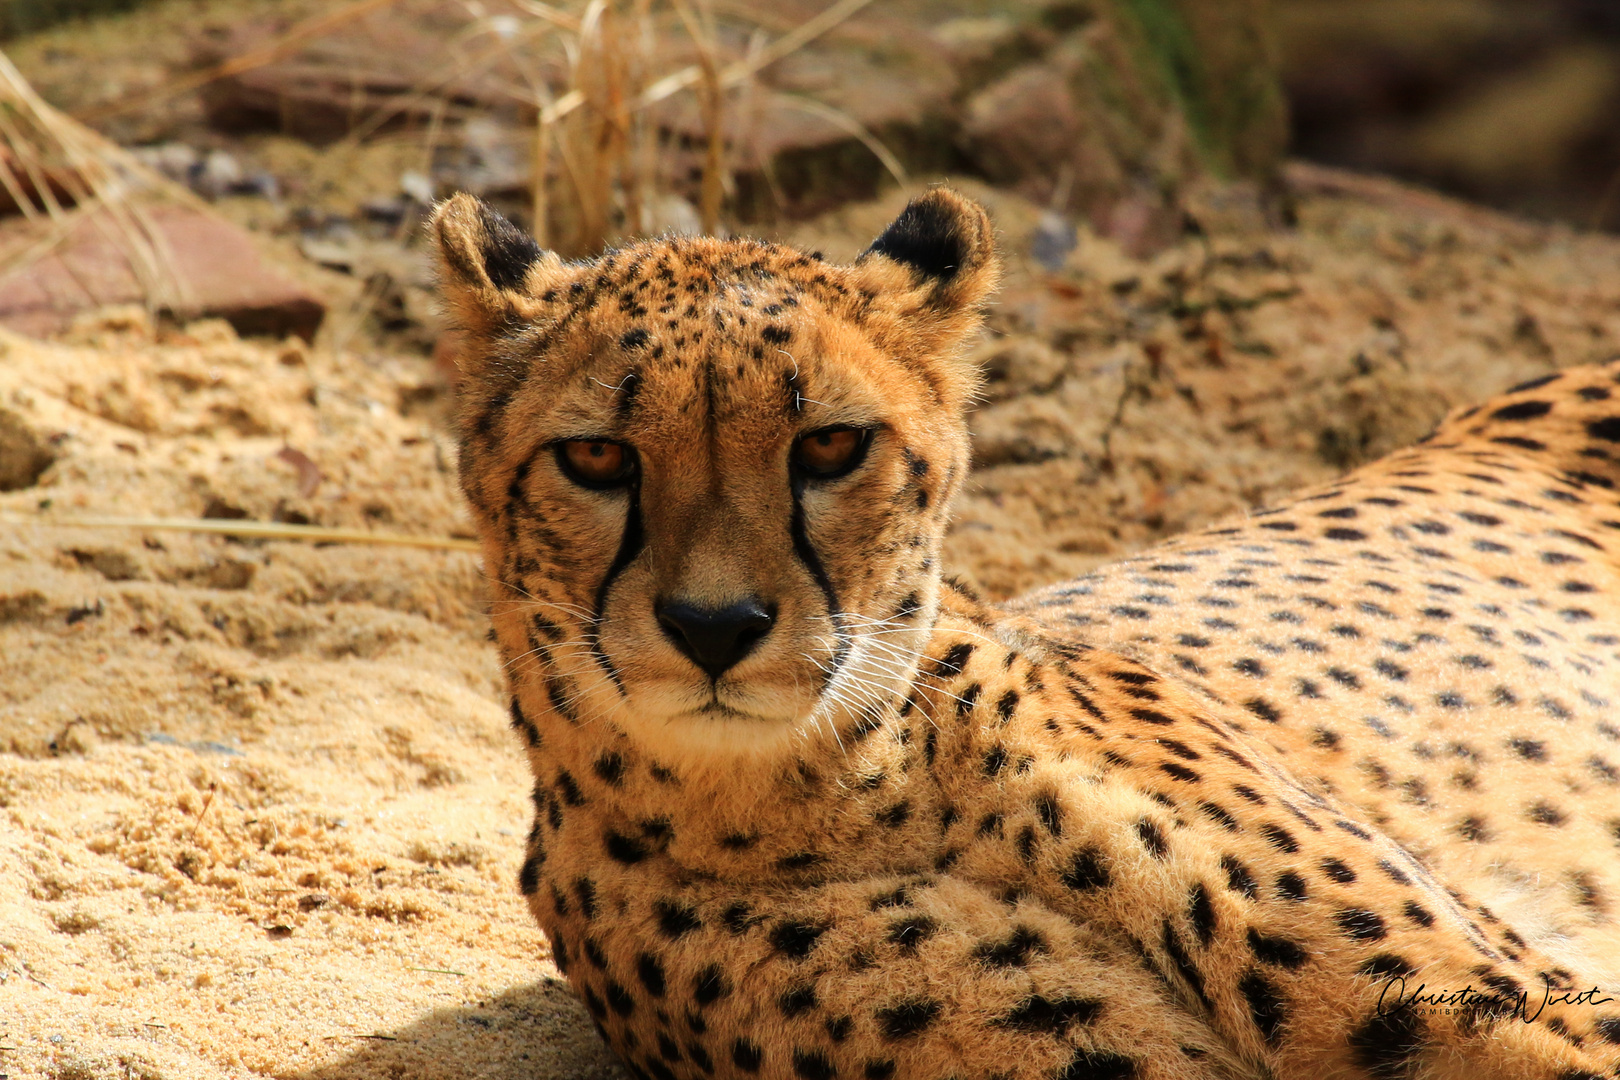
715	638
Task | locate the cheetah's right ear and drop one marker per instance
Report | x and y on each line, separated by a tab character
492	273
937	259
931	271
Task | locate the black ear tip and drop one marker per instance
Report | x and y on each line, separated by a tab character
939	234
508	251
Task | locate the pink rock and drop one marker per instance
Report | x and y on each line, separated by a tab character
216	266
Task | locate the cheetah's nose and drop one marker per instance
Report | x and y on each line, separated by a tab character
715	639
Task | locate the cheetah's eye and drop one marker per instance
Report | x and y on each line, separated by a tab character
831	452
596	463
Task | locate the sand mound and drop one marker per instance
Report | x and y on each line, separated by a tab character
260	814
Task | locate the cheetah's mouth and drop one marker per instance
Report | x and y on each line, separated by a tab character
715	709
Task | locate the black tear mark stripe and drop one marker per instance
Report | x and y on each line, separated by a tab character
630	545
806	551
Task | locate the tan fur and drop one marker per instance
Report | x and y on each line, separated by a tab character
1182	819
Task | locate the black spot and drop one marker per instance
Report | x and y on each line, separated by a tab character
1279	952
1265	1005
621	848
1522	410
1386	1042
801	860
1338	871
1543	813
813	1065
1345	534
619	999
1201	912
906	1018
651	974
1179	772
879	1070
994	760
1264	709
1152	837
709	985
796	939
1050	812
895	898
1361	924
1386	966
585	893
524	726
1290	886
1279	838
1607	429
839	1027
1097	1065
1238	878
895	816
1014	952
529	873
569	788
1529	749
797	1000
910	932
1178	956
1418	914
610	767
1041	1014
675	920
777	335
1221	817
954	661
1087	870
746	1055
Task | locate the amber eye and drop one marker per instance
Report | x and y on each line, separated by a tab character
831	452
595	463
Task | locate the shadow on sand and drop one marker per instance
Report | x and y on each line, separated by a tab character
535	1032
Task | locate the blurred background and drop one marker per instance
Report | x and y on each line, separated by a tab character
334	126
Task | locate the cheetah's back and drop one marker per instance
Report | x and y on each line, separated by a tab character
1433	640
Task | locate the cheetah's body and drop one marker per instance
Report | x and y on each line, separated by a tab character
1189	817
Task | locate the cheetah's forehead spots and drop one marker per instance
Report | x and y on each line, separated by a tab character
690	341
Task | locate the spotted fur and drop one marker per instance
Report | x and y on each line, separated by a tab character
1203	814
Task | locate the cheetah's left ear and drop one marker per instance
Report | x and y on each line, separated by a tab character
934	266
491	272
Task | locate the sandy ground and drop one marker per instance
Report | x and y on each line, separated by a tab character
260	814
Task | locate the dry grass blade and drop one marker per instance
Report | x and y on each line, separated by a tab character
848	124
259	530
74	174
700	25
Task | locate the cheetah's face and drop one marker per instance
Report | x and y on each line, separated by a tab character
712	477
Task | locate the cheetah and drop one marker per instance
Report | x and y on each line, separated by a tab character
1331	790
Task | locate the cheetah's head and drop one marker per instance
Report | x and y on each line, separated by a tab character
712	477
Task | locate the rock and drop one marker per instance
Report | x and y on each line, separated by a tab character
24	455
363	73
216	266
1112	118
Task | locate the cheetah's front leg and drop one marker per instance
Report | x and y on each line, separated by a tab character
921	976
